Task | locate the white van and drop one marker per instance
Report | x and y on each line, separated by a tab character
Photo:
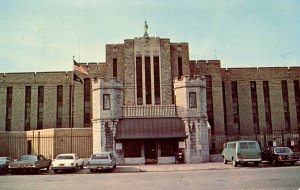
239	152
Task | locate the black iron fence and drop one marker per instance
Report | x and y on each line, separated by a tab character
290	138
49	145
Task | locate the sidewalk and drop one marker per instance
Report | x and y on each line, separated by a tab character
185	167
174	167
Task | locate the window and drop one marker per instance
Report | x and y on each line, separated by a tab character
156	80
252	145
40	107
168	147
297	100
267	107
106	101
27	108
255	115
192	100
148	80
179	67
244	145
115	67
139	81
210	105
9	94
59	106
235	107
87	102
285	99
71	106
132	148
224	106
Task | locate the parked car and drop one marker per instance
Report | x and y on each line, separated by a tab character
30	163
69	161
4	163
102	161
240	152
279	155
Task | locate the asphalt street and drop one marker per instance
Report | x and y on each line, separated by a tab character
203	176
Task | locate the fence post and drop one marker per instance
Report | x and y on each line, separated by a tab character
282	135
71	139
39	142
265	138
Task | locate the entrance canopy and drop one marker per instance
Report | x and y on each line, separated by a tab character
147	128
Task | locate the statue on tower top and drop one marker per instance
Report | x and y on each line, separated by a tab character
146	29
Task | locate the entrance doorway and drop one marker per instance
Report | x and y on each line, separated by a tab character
150	151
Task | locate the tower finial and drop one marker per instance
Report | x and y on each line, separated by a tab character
146	29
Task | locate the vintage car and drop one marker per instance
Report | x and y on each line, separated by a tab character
279	155
102	161
29	163
68	161
4	163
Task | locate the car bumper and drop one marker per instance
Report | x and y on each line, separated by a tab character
12	169
288	160
63	167
104	167
249	160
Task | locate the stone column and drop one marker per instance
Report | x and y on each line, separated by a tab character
96	136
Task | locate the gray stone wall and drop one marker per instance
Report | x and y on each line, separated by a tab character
104	121
195	119
50	80
129	73
166	72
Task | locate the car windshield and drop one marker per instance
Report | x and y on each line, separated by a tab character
283	150
100	156
2	159
27	158
64	157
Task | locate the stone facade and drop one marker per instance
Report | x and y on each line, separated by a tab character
175	85
197	148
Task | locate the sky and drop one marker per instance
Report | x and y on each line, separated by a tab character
43	35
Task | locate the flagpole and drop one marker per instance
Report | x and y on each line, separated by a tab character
72	106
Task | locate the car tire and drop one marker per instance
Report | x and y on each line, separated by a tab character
81	167
224	161
38	171
92	170
55	171
256	164
292	163
76	168
234	163
274	163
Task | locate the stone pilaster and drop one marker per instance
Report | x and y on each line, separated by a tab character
195	118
